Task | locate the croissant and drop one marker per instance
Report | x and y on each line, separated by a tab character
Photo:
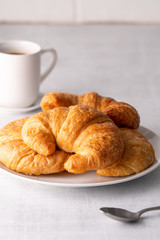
122	114
16	155
138	155
83	130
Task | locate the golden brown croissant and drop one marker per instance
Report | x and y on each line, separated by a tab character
123	114
138	155
16	155
79	129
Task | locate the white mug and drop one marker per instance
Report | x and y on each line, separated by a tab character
20	78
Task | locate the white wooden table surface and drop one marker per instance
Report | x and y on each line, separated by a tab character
122	62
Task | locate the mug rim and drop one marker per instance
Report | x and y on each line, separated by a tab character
32	47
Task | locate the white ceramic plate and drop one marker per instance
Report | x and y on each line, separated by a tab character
91	179
35	106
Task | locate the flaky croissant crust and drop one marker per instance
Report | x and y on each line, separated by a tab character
29	146
138	155
79	129
16	155
123	114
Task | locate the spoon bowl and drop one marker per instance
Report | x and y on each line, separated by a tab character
124	215
120	214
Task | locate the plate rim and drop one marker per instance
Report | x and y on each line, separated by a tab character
83	185
119	180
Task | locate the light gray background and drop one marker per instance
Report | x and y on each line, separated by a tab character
117	61
80	11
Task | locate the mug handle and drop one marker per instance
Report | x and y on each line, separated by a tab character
54	60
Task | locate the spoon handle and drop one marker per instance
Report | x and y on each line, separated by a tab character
149	209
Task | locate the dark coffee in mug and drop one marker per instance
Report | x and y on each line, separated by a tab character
16	53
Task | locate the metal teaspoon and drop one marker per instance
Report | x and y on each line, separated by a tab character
123	215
